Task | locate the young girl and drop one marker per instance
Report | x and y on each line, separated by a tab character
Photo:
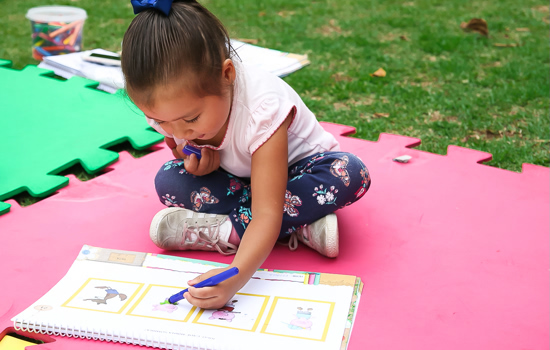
267	169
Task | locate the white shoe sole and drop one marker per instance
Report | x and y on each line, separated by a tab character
157	219
332	238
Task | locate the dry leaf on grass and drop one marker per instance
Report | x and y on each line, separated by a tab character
404	38
340	76
522	29
248	41
494	64
261	13
435	116
506	45
387	37
542	8
285	14
332	29
488	134
381	115
339	105
478	25
364	100
380	73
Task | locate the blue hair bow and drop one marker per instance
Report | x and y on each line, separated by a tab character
163	6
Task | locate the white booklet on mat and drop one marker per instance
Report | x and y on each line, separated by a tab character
118	296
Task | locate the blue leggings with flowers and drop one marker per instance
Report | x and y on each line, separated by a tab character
317	186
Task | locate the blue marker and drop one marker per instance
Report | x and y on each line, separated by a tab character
212	281
189	150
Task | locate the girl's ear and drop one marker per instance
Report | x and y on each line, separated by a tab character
228	72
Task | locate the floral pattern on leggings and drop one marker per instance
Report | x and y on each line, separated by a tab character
365	183
325	195
338	169
300	170
234	185
173	164
291	201
244	217
203	196
170	201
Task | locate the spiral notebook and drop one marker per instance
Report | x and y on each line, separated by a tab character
118	296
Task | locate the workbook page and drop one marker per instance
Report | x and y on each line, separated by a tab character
120	301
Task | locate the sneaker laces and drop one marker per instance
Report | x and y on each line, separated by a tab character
293	241
196	237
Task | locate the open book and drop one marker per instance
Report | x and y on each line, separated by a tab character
118	296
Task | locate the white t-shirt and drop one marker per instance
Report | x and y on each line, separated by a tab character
261	103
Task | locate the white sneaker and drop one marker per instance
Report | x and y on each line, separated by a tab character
321	236
184	229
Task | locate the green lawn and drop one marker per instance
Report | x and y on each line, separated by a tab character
443	85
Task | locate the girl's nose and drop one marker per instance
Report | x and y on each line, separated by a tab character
181	130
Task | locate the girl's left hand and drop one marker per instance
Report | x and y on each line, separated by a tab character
216	296
209	162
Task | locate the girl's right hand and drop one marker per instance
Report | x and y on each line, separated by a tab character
171	143
210	161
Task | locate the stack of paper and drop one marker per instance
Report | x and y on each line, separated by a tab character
111	78
66	66
277	62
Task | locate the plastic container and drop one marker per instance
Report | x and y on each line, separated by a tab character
56	30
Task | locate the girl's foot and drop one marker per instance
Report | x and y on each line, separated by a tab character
183	229
321	236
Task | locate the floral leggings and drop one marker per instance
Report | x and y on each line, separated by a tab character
317	186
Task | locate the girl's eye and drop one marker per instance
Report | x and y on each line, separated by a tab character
193	120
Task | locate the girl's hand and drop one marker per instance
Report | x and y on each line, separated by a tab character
210	161
171	143
216	296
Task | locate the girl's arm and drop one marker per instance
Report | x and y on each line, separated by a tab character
268	181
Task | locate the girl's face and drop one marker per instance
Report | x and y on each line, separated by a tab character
202	120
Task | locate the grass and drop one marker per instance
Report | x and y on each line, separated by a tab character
443	85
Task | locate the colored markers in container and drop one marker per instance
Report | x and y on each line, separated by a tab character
56	30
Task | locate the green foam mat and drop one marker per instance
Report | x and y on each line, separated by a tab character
49	125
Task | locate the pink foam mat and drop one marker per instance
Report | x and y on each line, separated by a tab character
454	254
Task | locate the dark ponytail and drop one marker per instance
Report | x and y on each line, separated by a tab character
188	46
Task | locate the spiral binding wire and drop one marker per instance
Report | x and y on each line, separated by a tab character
156	341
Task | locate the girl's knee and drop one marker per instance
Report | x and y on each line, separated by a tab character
171	176
364	176
354	161
169	170
359	175
355	165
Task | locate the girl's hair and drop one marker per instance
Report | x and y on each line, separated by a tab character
190	44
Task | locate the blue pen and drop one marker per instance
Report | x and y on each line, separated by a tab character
192	150
212	281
